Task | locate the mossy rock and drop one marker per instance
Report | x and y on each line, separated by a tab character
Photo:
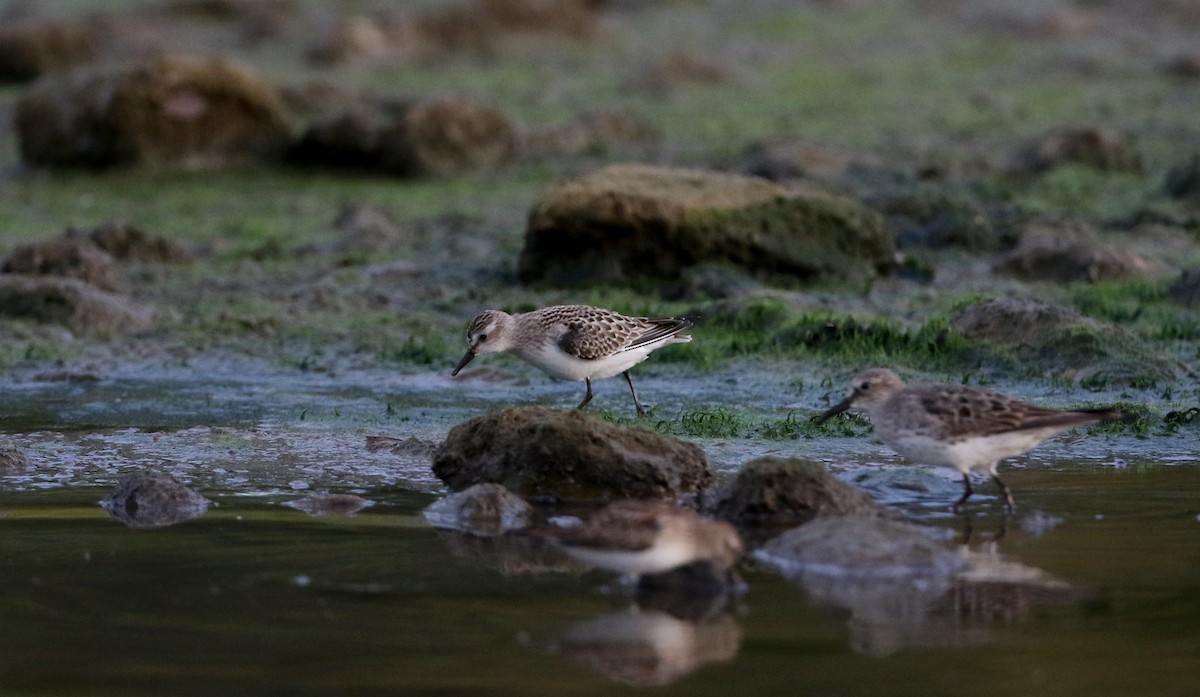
635	221
786	492
566	455
161	111
1058	341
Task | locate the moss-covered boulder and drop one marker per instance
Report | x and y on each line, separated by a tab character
629	221
161	111
81	307
1058	341
567	455
778	492
30	49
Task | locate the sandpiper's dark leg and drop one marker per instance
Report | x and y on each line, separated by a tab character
588	397
1010	502
640	410
966	493
968	526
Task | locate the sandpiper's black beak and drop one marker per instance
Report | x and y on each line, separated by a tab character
837	409
470	356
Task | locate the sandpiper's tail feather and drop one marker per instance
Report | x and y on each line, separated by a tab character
662	328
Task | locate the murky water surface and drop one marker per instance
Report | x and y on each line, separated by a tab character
1099	591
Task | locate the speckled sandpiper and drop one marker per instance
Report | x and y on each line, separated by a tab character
967	428
574	342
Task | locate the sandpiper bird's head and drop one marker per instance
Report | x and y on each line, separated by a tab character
868	390
489	332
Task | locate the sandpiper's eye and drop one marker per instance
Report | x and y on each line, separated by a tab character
865	386
483	337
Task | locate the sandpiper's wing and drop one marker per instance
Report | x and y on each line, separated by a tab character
628	526
966	411
591	332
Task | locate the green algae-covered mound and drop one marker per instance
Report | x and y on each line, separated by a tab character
161	111
564	454
785	492
630	221
1058	341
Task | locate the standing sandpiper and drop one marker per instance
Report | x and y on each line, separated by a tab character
648	537
574	342
957	426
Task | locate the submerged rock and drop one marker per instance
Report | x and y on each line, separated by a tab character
1060	341
861	546
161	111
899	587
565	454
635	221
84	309
143	500
11	457
330	504
483	509
786	492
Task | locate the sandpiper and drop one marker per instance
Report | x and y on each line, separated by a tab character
574	342
648	537
967	428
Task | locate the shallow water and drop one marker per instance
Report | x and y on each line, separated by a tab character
256	597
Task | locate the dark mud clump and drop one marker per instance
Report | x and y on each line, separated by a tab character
81	307
30	49
65	257
774	492
1098	148
564	454
144	500
127	242
934	217
430	138
1068	251
632	221
161	111
595	132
